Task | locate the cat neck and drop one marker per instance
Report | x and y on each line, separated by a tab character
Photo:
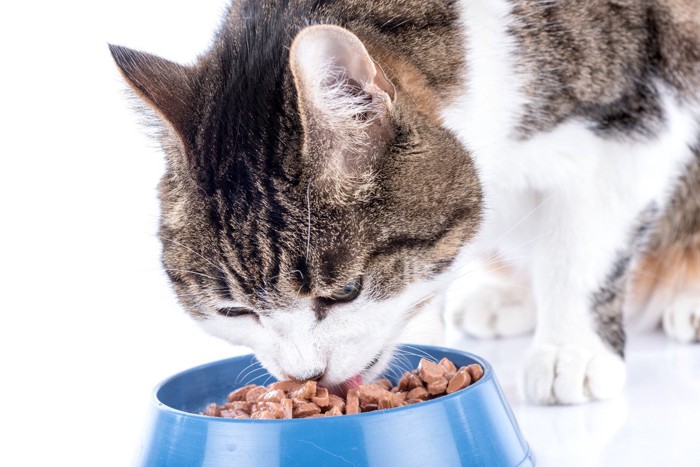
491	98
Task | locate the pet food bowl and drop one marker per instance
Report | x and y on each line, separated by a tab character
474	426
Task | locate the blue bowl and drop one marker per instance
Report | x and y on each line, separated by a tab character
473	427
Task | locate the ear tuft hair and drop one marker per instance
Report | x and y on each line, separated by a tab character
344	98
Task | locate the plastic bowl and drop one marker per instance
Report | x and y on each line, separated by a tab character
473	427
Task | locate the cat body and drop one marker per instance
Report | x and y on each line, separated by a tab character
332	166
570	198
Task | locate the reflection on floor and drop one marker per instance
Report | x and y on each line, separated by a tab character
656	421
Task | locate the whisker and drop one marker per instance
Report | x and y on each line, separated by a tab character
514	226
392	372
253	362
194	273
420	353
400	364
247	378
294	271
257	367
258	377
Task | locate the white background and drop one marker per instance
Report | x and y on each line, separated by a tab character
89	324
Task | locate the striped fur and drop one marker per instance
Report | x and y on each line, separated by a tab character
242	194
288	178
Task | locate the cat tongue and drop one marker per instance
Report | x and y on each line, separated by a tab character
343	388
353	382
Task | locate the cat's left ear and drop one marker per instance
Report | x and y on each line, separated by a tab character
345	100
167	87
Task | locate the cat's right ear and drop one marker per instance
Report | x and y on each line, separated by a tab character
167	87
345	101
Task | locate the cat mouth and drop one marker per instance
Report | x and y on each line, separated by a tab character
346	386
343	388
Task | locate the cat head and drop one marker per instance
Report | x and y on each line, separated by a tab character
310	204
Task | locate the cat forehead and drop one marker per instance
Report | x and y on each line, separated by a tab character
270	246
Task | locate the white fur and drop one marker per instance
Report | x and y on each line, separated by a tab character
488	301
559	206
324	59
498	310
427	327
293	343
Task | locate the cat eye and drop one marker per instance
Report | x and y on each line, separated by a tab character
349	292
235	312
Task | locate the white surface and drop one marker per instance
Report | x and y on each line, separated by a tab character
655	422
89	324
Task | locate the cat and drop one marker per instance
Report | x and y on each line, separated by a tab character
332	166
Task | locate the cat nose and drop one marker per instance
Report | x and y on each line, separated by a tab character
313	376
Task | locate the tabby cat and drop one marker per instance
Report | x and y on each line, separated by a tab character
333	164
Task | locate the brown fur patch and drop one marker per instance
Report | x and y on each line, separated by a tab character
668	270
406	77
671	260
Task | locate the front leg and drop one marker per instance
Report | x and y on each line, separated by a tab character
580	265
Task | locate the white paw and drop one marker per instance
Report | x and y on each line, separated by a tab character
497	311
571	374
681	320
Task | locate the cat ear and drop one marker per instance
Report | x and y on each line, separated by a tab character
344	98
164	85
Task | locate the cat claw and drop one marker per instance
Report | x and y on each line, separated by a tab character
571	374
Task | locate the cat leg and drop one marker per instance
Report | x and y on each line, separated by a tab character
579	270
667	289
492	301
666	285
491	296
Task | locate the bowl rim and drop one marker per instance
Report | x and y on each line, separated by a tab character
162	407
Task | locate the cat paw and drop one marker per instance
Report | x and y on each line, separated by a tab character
571	374
681	320
497	311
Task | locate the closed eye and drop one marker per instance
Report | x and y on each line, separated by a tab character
348	293
236	311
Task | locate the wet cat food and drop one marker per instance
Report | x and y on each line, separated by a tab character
296	399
